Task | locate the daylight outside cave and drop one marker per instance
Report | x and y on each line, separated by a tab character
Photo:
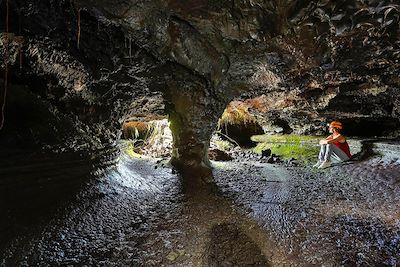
200	133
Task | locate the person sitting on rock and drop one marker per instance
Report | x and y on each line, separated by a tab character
334	147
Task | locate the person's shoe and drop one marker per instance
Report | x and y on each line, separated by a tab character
316	165
325	164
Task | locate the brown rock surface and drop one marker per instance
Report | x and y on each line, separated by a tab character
305	61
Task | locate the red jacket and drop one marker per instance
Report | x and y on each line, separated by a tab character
344	147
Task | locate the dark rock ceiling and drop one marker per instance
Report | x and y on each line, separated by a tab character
91	63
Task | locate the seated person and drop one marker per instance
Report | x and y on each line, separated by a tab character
334	147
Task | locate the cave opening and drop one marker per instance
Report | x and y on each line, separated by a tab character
237	125
150	138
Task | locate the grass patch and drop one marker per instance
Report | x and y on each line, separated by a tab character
129	147
137	130
297	139
236	112
154	139
304	148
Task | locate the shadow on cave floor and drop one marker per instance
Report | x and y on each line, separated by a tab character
229	246
135	214
33	185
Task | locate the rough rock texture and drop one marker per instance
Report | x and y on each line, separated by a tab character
88	89
219	155
313	60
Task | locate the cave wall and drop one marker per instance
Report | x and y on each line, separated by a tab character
308	62
89	88
323	59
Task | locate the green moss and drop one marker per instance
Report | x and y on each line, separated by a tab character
304	148
285	138
130	149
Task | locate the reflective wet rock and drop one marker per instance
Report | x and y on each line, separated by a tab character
346	215
129	213
230	247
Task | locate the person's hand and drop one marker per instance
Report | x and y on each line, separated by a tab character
322	142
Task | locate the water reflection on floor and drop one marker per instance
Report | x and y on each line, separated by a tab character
61	210
346	215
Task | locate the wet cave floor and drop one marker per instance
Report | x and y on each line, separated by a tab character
66	211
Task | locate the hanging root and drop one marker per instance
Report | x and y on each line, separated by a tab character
4	97
20	43
79	28
6	68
